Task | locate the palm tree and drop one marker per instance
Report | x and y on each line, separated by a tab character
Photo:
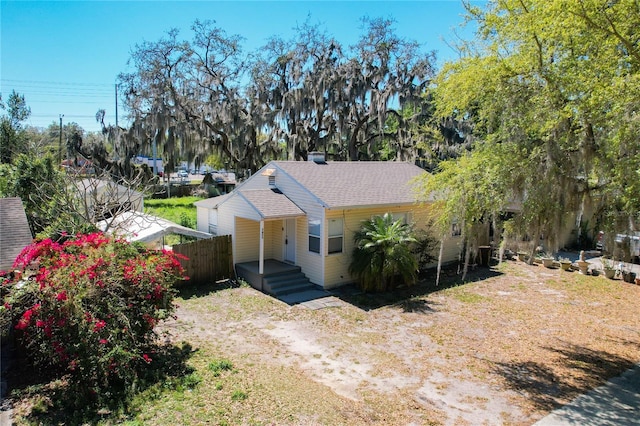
383	253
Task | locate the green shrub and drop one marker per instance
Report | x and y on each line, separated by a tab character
86	309
382	257
218	366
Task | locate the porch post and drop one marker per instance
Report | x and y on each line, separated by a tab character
261	261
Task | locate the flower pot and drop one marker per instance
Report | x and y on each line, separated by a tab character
547	262
609	273
566	266
595	272
629	277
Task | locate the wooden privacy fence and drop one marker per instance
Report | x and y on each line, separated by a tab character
207	260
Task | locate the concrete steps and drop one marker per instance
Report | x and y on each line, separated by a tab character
287	282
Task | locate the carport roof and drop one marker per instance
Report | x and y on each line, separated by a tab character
141	227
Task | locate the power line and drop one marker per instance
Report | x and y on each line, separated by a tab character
66	115
57	83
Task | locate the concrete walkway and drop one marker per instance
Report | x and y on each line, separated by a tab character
616	403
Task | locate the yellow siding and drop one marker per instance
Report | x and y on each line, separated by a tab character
277	240
452	244
247	234
248	240
273	239
337	265
310	263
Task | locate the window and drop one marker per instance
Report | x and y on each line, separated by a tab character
314	235
402	217
456	231
335	236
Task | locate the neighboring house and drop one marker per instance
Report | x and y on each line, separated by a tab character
15	233
305	214
219	183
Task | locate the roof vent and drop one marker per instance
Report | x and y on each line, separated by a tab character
271	175
316	157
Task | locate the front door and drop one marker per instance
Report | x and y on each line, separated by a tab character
290	240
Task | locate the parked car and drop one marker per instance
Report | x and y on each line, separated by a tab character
183	174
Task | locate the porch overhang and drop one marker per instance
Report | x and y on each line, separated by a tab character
269	204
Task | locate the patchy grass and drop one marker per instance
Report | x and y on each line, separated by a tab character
466	296
505	348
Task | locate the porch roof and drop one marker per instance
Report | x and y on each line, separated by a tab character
270	203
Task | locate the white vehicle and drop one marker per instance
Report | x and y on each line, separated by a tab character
633	238
634	243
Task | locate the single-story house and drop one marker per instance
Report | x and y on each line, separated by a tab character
15	233
305	214
219	182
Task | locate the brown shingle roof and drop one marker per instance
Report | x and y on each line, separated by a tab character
355	184
15	233
270	204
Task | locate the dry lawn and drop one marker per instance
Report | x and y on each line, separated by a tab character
504	348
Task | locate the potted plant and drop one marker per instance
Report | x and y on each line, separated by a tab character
628	276
523	256
565	264
608	268
547	260
508	254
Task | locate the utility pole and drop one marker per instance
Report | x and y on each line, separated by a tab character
60	143
116	104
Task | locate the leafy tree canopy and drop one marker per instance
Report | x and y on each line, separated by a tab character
550	88
192	97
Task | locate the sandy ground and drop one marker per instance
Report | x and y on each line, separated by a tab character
505	348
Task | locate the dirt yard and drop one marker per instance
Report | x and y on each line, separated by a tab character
504	348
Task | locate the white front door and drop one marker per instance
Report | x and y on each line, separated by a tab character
290	240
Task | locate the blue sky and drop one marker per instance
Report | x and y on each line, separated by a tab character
64	56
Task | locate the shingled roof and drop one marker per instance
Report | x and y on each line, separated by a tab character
271	203
15	233
343	184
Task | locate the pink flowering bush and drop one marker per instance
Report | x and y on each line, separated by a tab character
87	307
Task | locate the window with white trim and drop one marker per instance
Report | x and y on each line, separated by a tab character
314	235
336	234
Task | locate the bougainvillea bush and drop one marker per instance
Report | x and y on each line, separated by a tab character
86	307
